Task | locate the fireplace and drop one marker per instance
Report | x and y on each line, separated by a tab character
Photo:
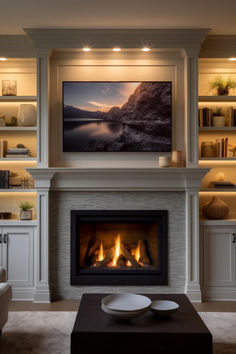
119	247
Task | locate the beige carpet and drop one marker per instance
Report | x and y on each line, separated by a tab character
49	332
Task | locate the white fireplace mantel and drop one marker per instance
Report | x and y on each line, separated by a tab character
186	180
118	179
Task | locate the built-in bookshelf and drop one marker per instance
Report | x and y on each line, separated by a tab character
220	140
19	186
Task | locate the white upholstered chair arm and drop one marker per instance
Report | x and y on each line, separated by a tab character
2	275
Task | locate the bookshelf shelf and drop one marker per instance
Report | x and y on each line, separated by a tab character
217	159
18	98
218	190
216	129
217	99
18	159
18	128
17	190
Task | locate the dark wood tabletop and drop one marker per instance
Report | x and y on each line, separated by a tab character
183	330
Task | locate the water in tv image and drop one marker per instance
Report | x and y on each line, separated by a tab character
117	116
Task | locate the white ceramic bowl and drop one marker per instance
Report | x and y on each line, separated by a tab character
164	307
126	302
124	315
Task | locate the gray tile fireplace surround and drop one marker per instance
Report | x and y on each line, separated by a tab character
59	248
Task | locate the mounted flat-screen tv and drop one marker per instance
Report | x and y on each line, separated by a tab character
117	116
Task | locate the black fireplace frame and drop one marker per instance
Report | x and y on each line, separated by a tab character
158	277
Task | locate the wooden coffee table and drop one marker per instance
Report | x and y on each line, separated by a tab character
184	332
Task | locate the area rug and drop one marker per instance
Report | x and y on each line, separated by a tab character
46	332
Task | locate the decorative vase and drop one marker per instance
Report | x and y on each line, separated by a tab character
215	208
26	214
218	121
26	115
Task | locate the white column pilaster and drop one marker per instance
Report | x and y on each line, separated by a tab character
191	106
43	90
192	286
42	291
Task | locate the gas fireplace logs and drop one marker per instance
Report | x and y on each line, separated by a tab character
120	255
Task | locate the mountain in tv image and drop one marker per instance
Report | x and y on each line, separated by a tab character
117	116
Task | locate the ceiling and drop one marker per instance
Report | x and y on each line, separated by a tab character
219	15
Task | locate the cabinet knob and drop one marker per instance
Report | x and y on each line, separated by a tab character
0	238
5	238
234	238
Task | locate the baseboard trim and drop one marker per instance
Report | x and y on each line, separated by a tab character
42	296
23	294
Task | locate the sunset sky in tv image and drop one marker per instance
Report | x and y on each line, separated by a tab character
97	96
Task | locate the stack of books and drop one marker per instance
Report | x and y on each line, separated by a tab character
232	117
3	148
4	179
205	117
17	152
221	147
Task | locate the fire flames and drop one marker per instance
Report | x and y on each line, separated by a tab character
117	251
101	253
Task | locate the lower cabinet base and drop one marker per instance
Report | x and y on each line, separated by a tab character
24	294
219	295
30	294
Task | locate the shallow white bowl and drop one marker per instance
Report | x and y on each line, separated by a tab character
126	302
164	307
123	314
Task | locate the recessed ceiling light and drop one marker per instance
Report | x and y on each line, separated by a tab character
3	59
146	49
232	59
86	49
116	49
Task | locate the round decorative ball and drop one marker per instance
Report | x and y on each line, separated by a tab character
215	208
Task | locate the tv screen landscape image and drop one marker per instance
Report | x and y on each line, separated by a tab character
117	116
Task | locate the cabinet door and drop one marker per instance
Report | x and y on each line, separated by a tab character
219	256
18	255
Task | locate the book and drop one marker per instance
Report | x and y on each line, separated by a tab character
4	179
3	148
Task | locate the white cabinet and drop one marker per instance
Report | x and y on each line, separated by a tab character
17	258
218	262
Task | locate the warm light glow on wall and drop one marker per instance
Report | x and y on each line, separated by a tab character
19	194
217	192
232	59
116	49
146	49
86	49
20	162
3	59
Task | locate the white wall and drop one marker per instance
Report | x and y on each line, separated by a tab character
104	67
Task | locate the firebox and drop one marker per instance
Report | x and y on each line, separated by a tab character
119	247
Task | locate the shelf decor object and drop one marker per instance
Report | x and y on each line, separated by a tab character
223	85
9	87
26	115
218	118
215	208
26	210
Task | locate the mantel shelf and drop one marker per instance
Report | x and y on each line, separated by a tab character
118	179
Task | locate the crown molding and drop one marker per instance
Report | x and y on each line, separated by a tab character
126	38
